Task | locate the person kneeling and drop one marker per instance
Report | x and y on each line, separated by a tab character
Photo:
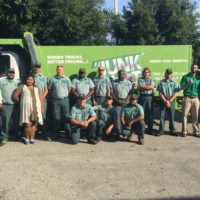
132	119
83	118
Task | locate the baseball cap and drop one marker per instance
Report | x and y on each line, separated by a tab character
109	98
37	65
82	70
168	71
134	96
11	70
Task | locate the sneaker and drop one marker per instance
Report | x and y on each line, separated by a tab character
3	142
32	142
183	134
26	141
92	141
196	135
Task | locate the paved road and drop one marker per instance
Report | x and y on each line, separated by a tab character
164	168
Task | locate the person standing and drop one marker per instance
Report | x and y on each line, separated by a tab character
59	88
30	108
132	118
190	83
10	109
120	92
83	87
41	83
167	89
102	86
146	86
82	118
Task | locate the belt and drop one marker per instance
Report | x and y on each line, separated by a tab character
60	98
100	96
191	97
146	94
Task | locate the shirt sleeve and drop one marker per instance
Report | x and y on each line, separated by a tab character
73	85
122	112
92	112
183	81
73	113
50	83
159	88
109	85
152	82
91	83
1	99
69	84
141	111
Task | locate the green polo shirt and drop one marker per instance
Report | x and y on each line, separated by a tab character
82	86
168	87
82	114
40	82
58	87
101	84
145	81
192	90
106	114
130	112
7	87
121	89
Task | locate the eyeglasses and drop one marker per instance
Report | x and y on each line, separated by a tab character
101	69
11	72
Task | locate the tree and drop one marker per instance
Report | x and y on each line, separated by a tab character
140	20
55	22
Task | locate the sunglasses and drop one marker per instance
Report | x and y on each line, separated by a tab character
11	72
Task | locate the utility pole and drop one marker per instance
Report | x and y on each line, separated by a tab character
116	8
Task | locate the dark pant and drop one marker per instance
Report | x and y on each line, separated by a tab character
138	128
171	114
100	100
9	112
147	104
76	132
60	115
117	119
102	127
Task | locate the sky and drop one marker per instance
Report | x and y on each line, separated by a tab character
109	4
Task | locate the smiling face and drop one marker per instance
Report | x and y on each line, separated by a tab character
194	68
30	81
11	75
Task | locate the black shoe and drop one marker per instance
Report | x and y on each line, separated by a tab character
160	133
98	139
174	133
149	131
92	141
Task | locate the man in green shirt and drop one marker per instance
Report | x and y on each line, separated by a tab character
82	118
105	122
10	109
59	88
41	83
120	92
146	86
167	89
102	86
132	118
83	87
190	83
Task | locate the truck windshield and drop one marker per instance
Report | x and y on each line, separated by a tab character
4	64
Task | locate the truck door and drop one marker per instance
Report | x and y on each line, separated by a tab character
8	60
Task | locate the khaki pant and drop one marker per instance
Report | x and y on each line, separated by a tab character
192	106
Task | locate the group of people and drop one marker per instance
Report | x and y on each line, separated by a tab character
99	107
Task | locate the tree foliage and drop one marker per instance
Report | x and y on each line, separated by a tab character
59	22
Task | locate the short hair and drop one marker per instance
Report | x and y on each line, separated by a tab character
59	66
146	68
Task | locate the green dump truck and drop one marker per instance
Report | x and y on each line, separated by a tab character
22	54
